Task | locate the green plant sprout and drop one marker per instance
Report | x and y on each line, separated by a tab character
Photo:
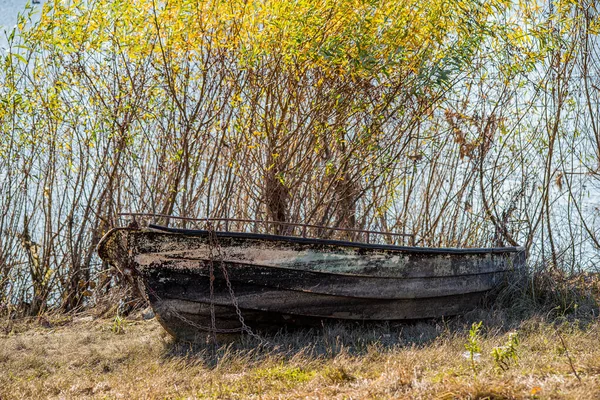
472	344
504	354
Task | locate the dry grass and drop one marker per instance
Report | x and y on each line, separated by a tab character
63	357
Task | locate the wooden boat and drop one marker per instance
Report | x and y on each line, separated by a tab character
262	281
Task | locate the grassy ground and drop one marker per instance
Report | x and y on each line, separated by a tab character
84	357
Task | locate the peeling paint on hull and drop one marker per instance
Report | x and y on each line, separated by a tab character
284	280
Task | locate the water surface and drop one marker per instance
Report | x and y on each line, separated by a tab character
9	9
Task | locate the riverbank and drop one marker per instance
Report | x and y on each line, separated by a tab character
83	356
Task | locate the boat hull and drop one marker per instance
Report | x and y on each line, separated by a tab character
273	281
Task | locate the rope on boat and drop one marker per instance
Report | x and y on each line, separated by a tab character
215	254
214	246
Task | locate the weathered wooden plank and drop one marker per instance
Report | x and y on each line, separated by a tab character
154	247
261	298
195	277
372	310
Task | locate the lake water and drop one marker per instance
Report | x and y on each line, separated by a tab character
9	9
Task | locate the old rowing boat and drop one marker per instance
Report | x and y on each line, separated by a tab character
230	281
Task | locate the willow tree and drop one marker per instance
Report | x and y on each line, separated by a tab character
399	115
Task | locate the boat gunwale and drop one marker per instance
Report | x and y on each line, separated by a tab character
340	243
